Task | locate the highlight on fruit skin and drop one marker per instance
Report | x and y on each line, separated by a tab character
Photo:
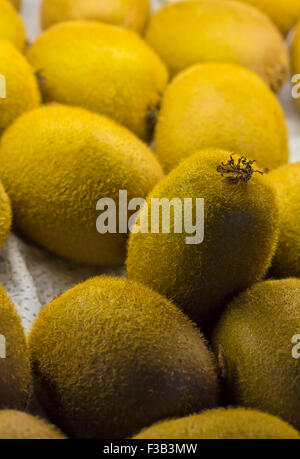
257	338
284	14
222	424
241	225
127	357
17	425
18	87
186	33
101	67
295	57
11	26
5	215
57	162
131	14
286	181
209	105
15	382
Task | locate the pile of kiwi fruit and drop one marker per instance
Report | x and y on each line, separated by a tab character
196	340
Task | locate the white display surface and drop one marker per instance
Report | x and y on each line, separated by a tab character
31	276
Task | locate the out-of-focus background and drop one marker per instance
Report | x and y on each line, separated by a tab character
33	277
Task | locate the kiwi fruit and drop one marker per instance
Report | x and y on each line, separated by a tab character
191	32
209	105
15	380
18	87
254	338
17	425
101	67
132	14
5	215
222	424
56	163
295	52
127	357
241	228
11	26
283	14
286	181
16	3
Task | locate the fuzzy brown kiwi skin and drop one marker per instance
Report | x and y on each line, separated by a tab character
151	115
156	367
255	333
239	225
20	425
16	380
236	171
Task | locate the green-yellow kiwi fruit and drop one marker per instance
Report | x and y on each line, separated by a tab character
56	163
296	60
222	424
5	215
110	357
18	88
223	106
17	425
101	67
256	339
286	181
15	375
191	32
132	14
11	26
284	14
241	231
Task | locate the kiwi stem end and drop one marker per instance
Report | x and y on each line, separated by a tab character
238	171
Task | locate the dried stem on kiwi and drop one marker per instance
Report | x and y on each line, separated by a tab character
240	171
40	79
151	119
